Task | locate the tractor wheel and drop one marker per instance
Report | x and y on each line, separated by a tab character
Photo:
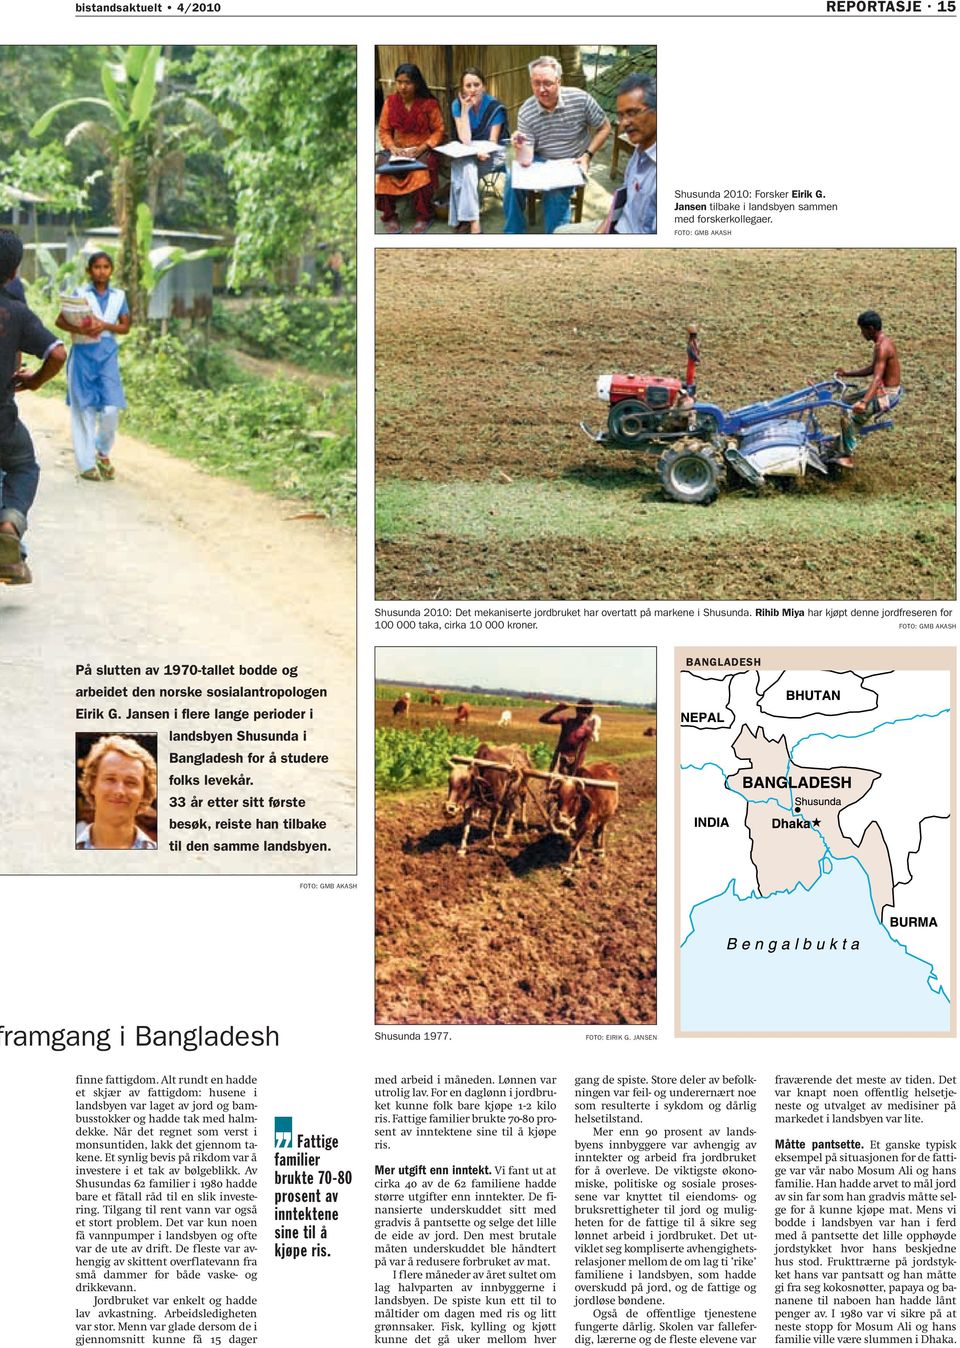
631	422
689	476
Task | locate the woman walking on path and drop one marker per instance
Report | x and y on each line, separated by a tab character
94	390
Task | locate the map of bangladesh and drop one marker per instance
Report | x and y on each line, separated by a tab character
815	854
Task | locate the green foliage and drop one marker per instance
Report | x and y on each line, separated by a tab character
209	365
31	75
280	436
405	760
156	262
54	279
408	759
119	123
129	99
291	116
45	171
256	140
30	79
308	329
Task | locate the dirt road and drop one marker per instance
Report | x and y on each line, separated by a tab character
166	564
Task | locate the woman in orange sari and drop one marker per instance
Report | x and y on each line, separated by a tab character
411	124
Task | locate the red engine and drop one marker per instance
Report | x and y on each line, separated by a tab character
658	393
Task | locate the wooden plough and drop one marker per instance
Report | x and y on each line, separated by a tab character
532	772
526	774
464	759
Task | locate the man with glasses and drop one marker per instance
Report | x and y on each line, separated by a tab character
634	209
556	123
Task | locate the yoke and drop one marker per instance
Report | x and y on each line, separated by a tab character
537	773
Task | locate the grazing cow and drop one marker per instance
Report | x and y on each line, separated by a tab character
595	722
504	794
577	809
463	714
435	698
650	730
402	705
505	718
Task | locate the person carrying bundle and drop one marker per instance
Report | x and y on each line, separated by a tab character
94	388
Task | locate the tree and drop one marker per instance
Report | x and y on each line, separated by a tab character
47	173
290	117
134	130
156	262
31	76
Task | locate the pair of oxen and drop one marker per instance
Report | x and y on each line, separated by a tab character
497	781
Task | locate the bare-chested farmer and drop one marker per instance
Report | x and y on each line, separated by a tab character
884	390
575	735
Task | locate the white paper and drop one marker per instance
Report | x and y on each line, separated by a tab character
545	175
455	149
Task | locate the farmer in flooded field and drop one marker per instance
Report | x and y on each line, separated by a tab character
575	735
884	390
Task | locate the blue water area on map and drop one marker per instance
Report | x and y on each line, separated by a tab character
880	986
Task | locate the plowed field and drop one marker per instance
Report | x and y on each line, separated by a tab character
508	938
486	362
